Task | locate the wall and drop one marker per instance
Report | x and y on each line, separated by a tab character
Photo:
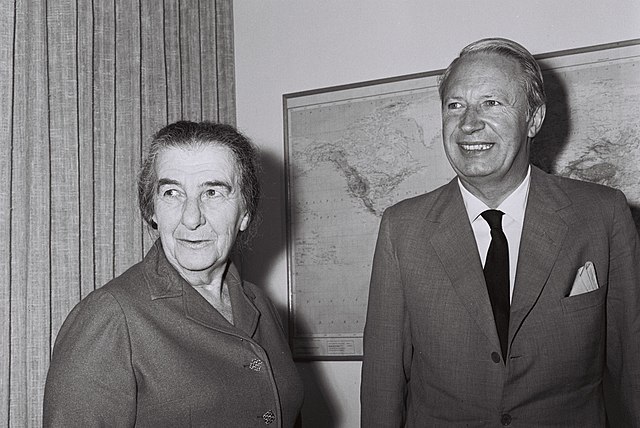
289	46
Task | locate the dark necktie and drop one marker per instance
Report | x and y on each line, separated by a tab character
496	274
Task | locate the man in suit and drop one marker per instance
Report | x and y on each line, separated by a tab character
532	321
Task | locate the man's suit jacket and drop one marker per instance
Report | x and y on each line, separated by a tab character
431	351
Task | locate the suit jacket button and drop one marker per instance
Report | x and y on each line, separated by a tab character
495	357
505	419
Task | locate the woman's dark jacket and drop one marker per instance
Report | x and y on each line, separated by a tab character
148	350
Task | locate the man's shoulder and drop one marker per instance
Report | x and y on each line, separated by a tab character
424	202
575	188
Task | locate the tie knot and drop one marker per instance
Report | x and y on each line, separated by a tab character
494	218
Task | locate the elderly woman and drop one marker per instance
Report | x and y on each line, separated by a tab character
179	339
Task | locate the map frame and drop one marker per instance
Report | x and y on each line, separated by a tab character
348	346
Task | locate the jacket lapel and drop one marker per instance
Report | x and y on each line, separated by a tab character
542	236
197	309
245	314
455	245
164	282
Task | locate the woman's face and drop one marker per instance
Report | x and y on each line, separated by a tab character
199	209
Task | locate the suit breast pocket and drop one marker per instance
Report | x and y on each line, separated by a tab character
584	301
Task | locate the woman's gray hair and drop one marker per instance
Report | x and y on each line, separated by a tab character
531	77
185	134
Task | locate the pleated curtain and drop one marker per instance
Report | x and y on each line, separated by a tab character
83	86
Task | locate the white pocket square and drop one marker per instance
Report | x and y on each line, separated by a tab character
585	280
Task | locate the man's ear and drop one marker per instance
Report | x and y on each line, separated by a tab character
535	122
245	222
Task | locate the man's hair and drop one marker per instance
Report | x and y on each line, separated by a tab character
531	77
184	134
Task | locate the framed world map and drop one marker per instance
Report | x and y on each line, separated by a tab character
351	151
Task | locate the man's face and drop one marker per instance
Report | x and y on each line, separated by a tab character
485	124
198	208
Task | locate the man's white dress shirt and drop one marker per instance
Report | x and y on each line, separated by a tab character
513	208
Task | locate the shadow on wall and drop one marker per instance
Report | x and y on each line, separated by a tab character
266	244
320	409
258	262
554	136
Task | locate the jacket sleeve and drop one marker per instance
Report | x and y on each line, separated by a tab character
387	347
622	375
90	380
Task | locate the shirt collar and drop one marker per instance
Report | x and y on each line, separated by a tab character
513	206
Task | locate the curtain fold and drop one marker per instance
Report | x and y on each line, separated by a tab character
83	86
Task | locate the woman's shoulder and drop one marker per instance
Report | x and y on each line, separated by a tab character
260	297
109	299
128	283
255	292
